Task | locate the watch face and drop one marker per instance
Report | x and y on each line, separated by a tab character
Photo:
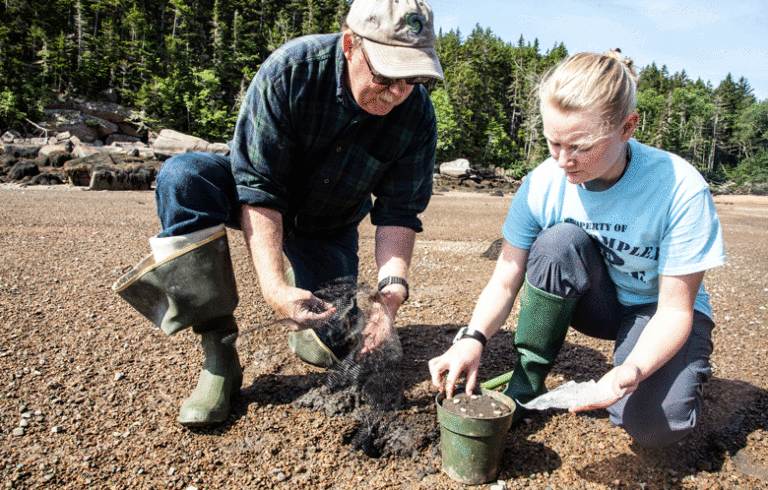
460	334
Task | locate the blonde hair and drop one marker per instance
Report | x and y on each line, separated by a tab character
606	83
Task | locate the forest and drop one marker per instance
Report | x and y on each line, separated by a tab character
185	65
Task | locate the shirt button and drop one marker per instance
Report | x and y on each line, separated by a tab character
338	150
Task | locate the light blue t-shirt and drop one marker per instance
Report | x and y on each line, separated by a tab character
659	218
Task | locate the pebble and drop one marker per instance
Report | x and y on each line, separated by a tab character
18	431
24	423
119	376
57	429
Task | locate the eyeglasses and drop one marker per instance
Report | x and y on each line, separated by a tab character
379	79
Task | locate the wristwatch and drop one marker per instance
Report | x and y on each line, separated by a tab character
394	280
465	332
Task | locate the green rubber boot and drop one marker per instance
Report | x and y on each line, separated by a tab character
193	285
541	328
220	377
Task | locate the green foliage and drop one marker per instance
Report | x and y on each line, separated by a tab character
186	65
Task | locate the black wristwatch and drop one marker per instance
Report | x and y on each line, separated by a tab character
394	280
465	332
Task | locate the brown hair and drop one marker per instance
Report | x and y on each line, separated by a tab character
606	83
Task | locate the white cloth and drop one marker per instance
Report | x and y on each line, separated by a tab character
164	247
572	395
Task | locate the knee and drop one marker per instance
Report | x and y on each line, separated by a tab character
175	170
560	240
658	428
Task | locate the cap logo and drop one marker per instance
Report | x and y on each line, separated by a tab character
415	23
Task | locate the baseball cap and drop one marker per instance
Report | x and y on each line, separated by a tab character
398	36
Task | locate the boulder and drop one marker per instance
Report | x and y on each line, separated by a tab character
63	146
87	127
10	136
22	151
109	111
113	178
23	169
457	168
170	143
46	179
105	171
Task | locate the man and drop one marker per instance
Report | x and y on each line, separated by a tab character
328	121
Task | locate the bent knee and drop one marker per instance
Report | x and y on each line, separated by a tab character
659	428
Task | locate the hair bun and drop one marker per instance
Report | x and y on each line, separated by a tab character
628	63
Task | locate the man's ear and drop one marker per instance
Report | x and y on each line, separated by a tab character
347	44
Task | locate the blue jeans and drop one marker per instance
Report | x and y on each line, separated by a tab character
195	191
564	260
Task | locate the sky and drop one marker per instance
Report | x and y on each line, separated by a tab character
705	38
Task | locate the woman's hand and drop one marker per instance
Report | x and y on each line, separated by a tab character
618	382
463	356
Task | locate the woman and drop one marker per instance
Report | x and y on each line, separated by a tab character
612	237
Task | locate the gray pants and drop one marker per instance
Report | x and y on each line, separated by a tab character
565	261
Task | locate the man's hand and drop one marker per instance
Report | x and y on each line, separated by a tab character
382	317
301	307
463	356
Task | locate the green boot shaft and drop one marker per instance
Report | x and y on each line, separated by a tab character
541	328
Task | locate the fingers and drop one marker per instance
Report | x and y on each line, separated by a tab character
471	382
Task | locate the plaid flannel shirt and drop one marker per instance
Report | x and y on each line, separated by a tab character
303	146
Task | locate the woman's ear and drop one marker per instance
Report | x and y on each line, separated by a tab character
629	126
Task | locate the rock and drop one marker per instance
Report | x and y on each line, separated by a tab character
130	129
23	169
57	429
137	178
170	143
7	161
18	431
457	168
62	146
22	151
46	179
59	158
10	136
82	151
120	138
108	111
103	171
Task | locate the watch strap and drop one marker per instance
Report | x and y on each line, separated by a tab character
465	332
394	280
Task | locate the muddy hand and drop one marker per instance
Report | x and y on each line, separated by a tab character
379	327
304	309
